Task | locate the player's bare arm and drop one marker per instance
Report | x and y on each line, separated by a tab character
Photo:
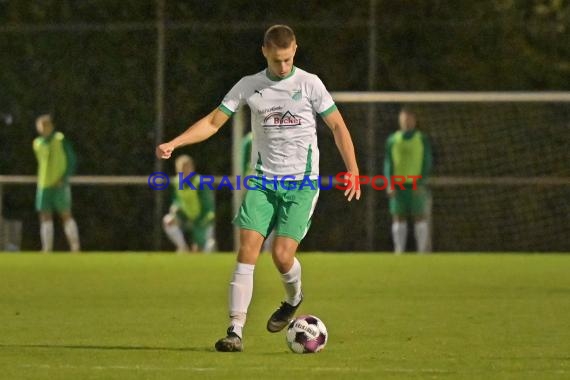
197	132
345	146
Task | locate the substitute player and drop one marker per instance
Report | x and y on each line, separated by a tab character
408	153
56	164
192	212
284	101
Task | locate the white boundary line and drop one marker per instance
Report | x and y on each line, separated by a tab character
191	369
433	371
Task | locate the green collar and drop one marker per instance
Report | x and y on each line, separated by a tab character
409	134
277	79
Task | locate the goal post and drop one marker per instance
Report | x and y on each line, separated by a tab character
452	97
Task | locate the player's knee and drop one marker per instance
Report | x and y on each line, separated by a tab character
250	246
46	217
65	216
248	253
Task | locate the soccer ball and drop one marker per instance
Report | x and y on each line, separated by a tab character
307	334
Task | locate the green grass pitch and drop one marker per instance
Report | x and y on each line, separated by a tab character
157	316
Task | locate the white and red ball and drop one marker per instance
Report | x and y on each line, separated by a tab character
307	334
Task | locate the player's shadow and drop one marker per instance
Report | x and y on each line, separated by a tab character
101	347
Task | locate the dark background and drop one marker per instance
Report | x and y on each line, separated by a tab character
92	64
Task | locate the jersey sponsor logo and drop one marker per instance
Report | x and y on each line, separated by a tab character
270	109
278	119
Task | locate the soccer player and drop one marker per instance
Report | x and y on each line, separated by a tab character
56	164
284	101
408	152
191	212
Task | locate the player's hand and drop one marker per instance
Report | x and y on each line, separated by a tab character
354	190
164	151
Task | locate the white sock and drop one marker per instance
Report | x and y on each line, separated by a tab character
175	234
241	291
292	283
421	233
46	235
72	234
400	235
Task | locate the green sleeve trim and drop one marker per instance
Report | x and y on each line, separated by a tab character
225	110
329	110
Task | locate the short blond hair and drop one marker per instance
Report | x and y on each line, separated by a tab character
279	36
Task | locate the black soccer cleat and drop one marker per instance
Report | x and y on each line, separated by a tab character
231	343
282	316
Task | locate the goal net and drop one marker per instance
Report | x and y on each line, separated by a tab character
500	180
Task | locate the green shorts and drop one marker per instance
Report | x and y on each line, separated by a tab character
409	202
287	208
199	233
52	199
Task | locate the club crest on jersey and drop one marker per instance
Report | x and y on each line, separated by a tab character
278	119
297	94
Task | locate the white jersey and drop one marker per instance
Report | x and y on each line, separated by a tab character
283	121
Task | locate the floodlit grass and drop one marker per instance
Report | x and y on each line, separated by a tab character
152	316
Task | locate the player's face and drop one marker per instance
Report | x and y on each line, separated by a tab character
407	121
188	168
280	61
44	128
